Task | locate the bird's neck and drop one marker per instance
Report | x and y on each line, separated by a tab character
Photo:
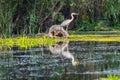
72	17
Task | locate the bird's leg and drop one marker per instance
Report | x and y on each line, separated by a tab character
67	28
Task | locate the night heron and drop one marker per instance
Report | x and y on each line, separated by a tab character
68	21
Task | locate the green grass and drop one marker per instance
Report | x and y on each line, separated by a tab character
24	42
94	37
110	77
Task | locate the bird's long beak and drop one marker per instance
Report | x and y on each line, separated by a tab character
76	13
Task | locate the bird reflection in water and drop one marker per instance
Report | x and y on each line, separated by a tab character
61	48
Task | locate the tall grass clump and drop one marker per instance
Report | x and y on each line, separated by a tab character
93	12
23	17
7	9
113	77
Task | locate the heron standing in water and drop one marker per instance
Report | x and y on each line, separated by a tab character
68	21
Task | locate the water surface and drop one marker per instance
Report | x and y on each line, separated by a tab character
75	60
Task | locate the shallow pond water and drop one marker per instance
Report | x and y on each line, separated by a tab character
74	60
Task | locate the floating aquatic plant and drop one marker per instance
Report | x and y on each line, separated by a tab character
24	42
91	37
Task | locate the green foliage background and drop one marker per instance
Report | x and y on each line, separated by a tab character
36	16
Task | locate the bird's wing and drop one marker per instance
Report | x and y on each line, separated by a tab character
65	23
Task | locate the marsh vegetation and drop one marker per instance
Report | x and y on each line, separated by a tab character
24	17
90	49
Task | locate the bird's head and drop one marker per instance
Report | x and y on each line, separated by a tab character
74	14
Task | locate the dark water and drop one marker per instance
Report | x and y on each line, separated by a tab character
62	61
